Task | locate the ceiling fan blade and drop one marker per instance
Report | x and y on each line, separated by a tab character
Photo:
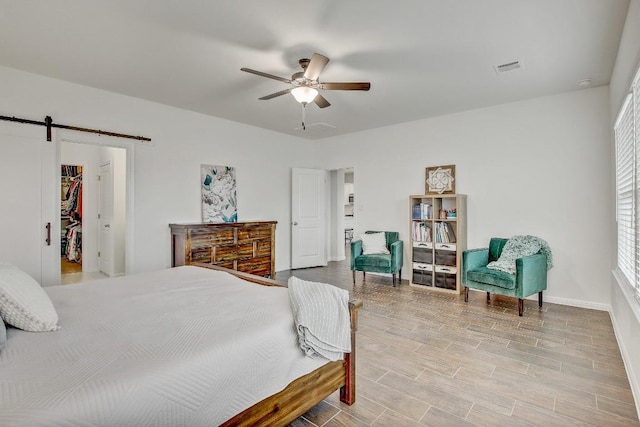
321	101
270	76
273	95
346	86
315	67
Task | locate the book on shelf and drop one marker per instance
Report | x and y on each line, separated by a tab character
444	233
421	232
421	211
426	210
416	212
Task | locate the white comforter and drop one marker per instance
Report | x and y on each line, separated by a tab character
180	347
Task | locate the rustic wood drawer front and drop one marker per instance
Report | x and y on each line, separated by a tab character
230	265
204	237
263	248
258	266
233	252
201	254
253	233
243	246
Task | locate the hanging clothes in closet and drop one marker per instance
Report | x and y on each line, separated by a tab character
73	249
71	213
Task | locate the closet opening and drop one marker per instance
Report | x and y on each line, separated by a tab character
94	212
71	219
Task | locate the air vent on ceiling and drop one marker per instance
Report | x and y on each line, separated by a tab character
315	128
507	67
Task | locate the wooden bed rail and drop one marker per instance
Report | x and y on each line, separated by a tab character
304	393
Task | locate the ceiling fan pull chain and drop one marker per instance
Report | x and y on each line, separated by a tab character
303	116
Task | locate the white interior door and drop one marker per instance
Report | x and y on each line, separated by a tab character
30	184
308	218
105	217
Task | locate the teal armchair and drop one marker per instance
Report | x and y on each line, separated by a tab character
379	263
530	277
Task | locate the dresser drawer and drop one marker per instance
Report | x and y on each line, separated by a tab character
258	266
201	254
226	264
232	252
246	234
263	248
205	237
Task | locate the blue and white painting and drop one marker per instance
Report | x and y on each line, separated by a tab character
219	202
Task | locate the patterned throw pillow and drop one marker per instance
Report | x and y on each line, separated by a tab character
516	247
374	243
23	302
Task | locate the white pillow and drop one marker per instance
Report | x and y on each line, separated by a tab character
374	243
23	302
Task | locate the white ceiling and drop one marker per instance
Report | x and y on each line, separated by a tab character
424	58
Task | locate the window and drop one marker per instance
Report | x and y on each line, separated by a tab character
627	140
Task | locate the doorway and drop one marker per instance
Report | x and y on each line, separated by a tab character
70	219
343	213
97	259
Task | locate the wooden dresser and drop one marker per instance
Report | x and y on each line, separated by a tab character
243	246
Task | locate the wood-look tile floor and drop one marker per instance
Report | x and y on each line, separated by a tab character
426	358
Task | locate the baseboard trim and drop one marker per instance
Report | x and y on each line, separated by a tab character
627	357
573	302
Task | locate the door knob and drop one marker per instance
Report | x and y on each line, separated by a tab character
107	226
295	222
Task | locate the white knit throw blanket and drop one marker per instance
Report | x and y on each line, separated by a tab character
321	315
519	247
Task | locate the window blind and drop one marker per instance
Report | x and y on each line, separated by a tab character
635	131
627	144
625	191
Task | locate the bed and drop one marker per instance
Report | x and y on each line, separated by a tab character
192	345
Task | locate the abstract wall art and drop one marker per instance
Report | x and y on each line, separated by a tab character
219	199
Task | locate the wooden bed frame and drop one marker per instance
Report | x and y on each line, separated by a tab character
307	391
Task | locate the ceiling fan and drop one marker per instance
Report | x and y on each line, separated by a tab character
305	83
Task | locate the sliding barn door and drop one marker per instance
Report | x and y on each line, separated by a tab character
30	191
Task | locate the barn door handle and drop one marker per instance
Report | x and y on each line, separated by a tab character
48	227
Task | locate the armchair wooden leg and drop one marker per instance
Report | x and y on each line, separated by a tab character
354	277
466	294
394	279
364	276
400	275
520	306
488	297
540	299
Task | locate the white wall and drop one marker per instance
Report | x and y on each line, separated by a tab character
625	311
166	172
538	167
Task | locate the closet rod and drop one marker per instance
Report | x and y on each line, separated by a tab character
48	122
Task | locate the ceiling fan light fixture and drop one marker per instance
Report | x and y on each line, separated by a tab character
304	94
